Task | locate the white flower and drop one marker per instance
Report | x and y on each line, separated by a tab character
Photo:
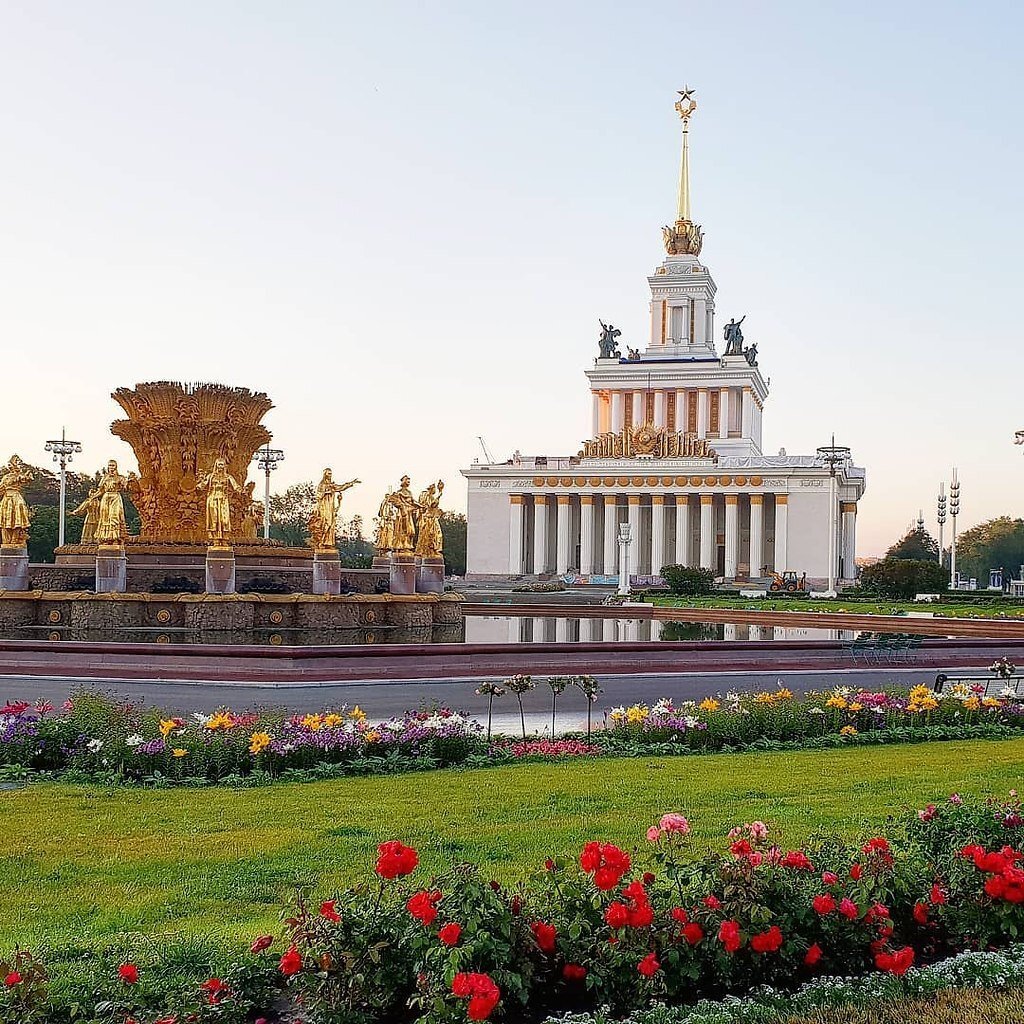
132	741
94	746
815	711
1008	691
662	707
201	718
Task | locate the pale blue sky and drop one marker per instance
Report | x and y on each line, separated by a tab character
403	221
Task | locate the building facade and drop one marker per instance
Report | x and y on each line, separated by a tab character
674	450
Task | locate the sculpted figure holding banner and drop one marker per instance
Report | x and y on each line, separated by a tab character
13	509
323	523
405	509
430	541
111	527
217	484
90	509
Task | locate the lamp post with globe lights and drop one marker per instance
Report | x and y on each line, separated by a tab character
267	459
833	455
63	453
954	511
941	515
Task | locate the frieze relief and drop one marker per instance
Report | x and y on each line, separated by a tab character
648	442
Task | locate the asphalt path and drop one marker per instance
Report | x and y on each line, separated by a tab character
384	699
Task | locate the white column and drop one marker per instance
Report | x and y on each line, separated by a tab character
657	533
540	533
681	409
756	535
709	321
634	532
747	426
515	535
595	418
849	510
660	415
586	534
732	534
723	413
781	532
699	322
618	411
683	529
611	527
702	412
563	519
707	532
561	629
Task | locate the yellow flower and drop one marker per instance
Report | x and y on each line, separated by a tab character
919	692
179	752
617	716
923	704
709	704
764	698
783	694
168	725
637	713
972	704
372	736
855	707
221	720
358	714
847	730
835	702
258	741
990	702
312	722
332	721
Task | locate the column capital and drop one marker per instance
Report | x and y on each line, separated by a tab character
657	499
756	499
848	506
516	499
707	499
586	499
732	499
781	499
540	499
634	499
564	499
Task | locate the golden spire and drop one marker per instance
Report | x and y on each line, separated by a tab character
685	236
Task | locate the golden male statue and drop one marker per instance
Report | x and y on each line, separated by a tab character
323	522
430	541
111	527
218	484
13	509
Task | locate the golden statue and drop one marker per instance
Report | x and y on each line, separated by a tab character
430	541
218	485
323	523
405	509
13	510
251	521
111	528
384	534
90	509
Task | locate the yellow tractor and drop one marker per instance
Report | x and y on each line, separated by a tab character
788	583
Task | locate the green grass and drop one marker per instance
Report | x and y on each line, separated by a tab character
947	608
957	1007
87	867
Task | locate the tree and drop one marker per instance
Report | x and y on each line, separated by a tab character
683	579
997	543
354	550
916	544
290	512
453	533
899	578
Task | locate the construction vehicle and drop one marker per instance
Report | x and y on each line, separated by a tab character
789	583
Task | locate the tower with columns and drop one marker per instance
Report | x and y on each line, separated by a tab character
674	448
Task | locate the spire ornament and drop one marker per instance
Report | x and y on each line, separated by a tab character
684	237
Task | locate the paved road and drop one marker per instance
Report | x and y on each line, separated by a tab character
383	699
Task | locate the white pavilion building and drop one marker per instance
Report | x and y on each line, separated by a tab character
674	450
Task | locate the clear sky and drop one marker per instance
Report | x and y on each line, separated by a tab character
403	221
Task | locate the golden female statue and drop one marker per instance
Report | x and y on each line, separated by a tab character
90	509
404	508
13	510
217	484
323	523
111	527
250	523
430	541
384	535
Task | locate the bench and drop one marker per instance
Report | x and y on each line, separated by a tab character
994	685
890	647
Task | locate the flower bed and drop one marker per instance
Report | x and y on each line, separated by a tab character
622	929
98	737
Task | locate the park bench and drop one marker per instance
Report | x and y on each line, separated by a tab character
878	647
994	685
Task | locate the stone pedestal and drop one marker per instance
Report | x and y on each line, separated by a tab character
381	560
430	576
14	569
403	573
111	569
220	571
326	572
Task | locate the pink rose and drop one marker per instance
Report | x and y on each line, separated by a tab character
674	823
654	833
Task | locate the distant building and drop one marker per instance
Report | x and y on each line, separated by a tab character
674	450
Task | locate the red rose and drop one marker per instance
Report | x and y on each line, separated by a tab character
813	955
328	913
214	989
423	906
483	994
649	966
767	942
798	860
693	933
829	877
712	902
824	904
128	973
544	935
450	934
680	915
549	865
937	896
606	862
849	909
261	943
395	860
648	878
617	915
291	961
574	972
921	913
729	936
996	887
641	916
897	963
856	872
12	979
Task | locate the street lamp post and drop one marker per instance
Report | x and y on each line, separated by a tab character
954	511
267	459
833	456
941	516
63	453
625	533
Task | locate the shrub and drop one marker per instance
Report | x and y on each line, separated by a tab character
683	579
904	578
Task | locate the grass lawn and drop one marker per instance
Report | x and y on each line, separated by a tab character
957	1007
949	609
86	867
